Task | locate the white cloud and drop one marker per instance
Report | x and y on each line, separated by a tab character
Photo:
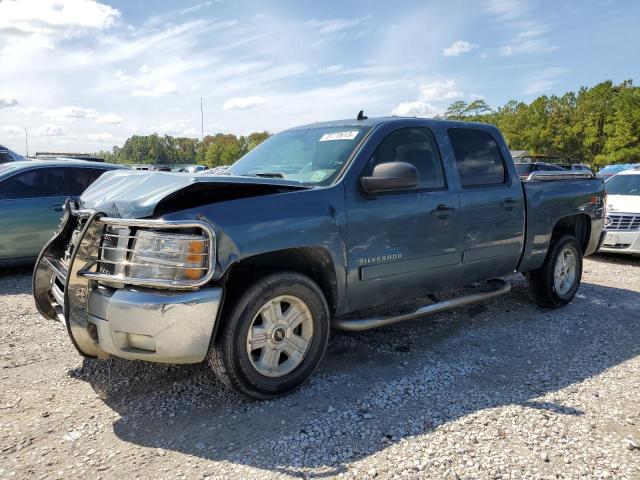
242	103
50	130
543	80
177	128
196	7
110	118
331	69
7	100
506	10
417	108
439	90
528	31
458	47
100	137
11	130
333	25
161	88
428	94
172	14
144	69
70	113
55	17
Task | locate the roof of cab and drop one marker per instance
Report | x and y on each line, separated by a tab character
61	163
374	122
10	168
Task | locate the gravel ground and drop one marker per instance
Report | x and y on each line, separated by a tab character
500	390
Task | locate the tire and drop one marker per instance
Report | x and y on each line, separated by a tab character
263	358
543	287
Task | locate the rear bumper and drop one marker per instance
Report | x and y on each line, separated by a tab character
159	325
621	242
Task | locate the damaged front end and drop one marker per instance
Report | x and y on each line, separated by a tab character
134	288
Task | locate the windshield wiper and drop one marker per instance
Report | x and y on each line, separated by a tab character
269	174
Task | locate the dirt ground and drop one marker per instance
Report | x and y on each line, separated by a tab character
497	390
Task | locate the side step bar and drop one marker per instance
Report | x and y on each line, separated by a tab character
500	287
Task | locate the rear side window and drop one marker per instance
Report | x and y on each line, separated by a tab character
417	147
81	178
38	183
478	158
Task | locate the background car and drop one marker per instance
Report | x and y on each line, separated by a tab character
217	170
7	155
526	169
32	195
610	170
579	167
622	223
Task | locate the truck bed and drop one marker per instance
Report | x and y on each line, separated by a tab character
551	197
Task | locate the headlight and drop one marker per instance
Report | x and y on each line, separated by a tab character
169	256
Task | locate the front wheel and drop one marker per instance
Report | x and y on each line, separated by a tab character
556	282
274	338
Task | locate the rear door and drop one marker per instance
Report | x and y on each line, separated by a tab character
491	204
405	243
31	205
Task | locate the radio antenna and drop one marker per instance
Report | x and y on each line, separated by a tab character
202	127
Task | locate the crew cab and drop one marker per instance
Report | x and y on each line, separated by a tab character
250	269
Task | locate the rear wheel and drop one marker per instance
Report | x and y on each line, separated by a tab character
556	282
274	337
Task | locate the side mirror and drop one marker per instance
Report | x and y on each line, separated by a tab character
390	177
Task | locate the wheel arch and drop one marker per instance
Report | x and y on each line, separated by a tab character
313	262
577	225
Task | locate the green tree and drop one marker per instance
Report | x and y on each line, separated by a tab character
597	125
456	111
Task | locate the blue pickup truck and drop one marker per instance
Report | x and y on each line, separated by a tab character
250	270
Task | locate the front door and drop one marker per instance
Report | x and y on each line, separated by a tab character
406	243
492	206
31	205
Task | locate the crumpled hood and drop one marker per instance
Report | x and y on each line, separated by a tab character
135	193
623	203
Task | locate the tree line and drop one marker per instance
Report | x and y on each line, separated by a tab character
596	126
216	150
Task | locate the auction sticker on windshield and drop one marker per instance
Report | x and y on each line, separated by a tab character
350	135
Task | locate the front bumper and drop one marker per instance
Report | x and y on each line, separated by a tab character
621	242
169	327
131	322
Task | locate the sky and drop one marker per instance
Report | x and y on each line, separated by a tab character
82	76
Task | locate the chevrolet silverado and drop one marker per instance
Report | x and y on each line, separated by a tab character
250	269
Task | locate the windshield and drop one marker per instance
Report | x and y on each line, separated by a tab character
623	185
313	156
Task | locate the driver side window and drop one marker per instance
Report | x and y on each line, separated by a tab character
417	147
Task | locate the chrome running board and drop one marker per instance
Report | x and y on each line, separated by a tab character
357	325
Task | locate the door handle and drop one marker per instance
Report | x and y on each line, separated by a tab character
442	211
58	207
508	203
